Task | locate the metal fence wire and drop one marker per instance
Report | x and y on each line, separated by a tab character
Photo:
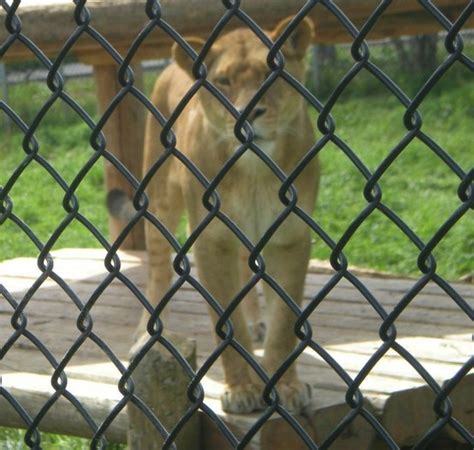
288	196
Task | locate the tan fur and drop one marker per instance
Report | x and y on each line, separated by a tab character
248	194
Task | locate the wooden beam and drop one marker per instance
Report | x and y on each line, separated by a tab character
124	131
33	391
50	23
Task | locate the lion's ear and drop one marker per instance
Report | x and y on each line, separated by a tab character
181	57
299	40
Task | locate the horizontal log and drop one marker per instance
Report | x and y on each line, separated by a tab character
50	23
398	412
33	391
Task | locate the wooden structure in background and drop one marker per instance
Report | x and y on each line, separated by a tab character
432	328
49	23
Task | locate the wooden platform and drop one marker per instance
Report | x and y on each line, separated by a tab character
433	329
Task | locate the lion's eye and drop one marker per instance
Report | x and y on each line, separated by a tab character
222	81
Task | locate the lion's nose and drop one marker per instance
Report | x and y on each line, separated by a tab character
255	113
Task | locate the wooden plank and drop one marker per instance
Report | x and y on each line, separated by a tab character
98	254
115	307
124	317
33	391
344	324
91	262
454	350
117	301
29	360
120	21
125	313
318	268
67	269
392	373
399	285
116	292
456	318
424	348
338	299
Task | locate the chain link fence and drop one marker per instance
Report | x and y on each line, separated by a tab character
327	126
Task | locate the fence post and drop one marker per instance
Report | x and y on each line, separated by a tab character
124	132
161	383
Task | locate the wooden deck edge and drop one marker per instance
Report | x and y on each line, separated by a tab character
277	433
399	413
316	266
408	414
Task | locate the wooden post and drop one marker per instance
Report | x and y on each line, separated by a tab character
161	383
124	132
408	414
279	435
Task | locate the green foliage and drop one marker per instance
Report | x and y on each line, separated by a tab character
13	439
409	78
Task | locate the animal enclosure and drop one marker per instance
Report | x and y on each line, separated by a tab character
389	359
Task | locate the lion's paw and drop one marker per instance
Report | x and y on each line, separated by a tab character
295	396
242	399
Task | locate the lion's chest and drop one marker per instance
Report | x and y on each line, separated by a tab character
248	188
250	195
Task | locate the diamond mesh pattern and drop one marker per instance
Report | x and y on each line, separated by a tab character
326	124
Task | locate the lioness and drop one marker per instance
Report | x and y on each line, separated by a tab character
248	196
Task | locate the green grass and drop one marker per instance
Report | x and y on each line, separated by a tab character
418	186
37	197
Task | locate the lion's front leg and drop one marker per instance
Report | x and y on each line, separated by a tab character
217	259
287	264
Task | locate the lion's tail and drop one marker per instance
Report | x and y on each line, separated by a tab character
119	205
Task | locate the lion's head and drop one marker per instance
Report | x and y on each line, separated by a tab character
237	66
